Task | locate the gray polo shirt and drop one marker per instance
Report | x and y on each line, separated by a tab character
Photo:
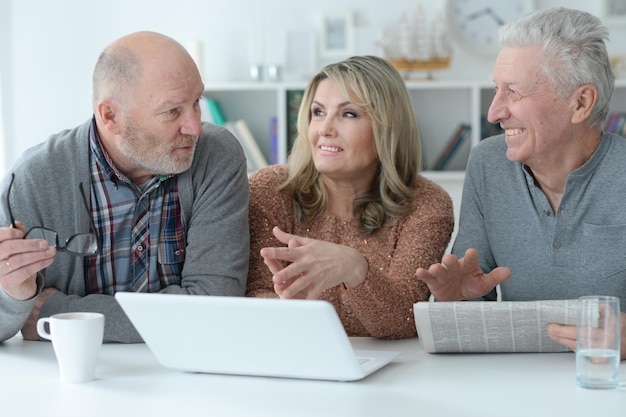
579	250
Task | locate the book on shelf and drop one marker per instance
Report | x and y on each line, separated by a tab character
488	129
254	157
274	145
616	123
453	145
294	98
211	111
205	112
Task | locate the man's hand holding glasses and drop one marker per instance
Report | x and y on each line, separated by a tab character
20	261
24	253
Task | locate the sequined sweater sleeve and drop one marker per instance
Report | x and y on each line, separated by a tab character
382	306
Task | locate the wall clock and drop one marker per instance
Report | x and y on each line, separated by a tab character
475	23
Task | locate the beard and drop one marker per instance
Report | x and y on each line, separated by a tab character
151	153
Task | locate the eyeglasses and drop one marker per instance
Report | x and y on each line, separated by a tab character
81	244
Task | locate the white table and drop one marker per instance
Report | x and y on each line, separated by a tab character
129	382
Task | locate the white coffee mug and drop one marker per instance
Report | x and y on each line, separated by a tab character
76	340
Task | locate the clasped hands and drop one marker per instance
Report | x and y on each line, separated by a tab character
457	279
312	266
20	261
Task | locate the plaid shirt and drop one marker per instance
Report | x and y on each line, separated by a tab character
141	231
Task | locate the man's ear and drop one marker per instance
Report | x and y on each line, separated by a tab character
108	112
584	100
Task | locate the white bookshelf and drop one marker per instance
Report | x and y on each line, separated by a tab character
440	106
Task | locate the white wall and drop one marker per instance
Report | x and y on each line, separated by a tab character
5	85
48	47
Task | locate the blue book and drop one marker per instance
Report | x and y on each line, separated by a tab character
273	140
216	111
453	145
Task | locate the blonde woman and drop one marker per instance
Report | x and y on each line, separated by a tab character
349	219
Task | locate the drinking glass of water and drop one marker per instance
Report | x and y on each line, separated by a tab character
598	342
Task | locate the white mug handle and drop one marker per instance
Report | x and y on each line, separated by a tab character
41	330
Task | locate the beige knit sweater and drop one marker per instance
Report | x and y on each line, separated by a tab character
382	306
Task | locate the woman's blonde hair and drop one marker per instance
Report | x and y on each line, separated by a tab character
376	86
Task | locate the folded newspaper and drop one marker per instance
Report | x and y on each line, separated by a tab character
491	326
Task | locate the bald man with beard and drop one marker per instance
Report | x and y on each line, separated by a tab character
145	197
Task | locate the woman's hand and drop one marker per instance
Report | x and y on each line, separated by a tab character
313	266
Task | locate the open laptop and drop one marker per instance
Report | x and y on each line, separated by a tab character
249	336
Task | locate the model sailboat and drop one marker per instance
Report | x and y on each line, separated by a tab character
418	45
